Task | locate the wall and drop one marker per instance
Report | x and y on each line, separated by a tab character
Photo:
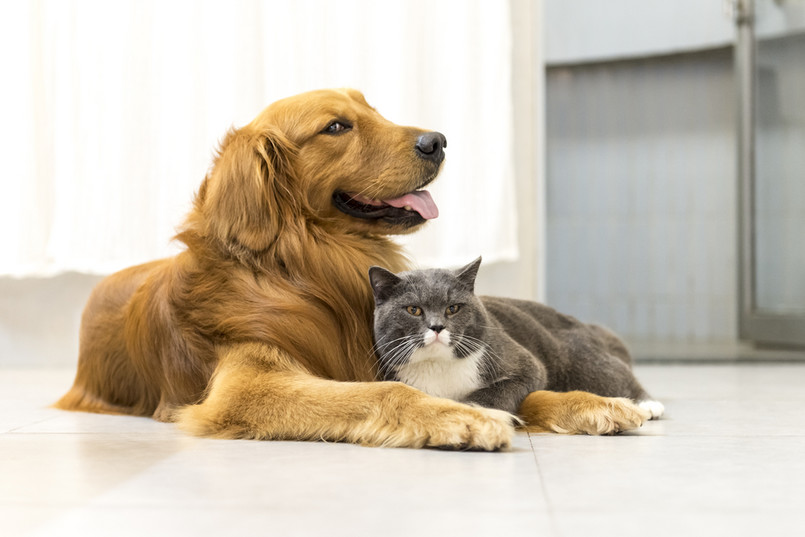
39	319
641	195
580	31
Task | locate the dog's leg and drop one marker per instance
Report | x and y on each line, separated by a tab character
257	392
580	413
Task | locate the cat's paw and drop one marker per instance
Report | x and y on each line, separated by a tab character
655	408
580	413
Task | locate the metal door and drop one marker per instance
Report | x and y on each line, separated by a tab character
770	67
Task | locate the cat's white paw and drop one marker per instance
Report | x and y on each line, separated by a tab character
656	408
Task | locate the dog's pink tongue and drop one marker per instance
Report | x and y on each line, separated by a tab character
419	201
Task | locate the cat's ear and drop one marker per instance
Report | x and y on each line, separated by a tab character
383	282
466	275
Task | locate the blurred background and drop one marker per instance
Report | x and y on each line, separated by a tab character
635	163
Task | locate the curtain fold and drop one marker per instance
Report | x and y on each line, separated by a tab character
115	110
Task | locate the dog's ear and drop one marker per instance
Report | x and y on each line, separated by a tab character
383	282
248	193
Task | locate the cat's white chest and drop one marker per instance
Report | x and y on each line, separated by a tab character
435	371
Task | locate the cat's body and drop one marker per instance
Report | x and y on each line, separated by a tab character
434	333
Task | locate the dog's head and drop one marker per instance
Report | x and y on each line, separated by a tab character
323	156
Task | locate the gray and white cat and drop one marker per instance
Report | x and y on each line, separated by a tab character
433	333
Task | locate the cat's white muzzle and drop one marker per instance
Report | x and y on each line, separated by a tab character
432	337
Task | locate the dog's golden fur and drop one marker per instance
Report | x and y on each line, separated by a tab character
579	413
252	331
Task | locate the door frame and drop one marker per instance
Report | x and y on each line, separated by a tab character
760	326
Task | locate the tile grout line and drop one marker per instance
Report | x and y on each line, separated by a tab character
15	429
551	514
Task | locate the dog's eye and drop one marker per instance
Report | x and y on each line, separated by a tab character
337	127
416	311
452	310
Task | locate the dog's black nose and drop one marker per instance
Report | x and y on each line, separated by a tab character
437	328
430	146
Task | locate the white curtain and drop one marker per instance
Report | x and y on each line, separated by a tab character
112	111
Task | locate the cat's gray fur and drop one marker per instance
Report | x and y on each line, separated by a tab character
518	346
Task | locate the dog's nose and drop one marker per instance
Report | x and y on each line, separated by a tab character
430	146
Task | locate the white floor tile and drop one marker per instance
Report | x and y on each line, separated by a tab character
642	523
357	521
673	475
726	460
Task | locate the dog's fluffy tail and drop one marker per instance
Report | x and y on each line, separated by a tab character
78	399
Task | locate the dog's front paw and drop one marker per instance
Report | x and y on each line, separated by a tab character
473	428
612	415
442	423
580	413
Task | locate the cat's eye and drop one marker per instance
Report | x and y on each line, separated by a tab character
416	311
452	310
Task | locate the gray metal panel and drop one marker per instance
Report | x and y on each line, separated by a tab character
758	321
641	196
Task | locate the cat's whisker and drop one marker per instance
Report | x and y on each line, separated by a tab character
378	346
478	343
396	356
376	352
399	343
466	348
392	366
471	345
400	353
387	350
382	362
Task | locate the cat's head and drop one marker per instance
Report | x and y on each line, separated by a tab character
426	314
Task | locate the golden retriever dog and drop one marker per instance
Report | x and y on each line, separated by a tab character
261	327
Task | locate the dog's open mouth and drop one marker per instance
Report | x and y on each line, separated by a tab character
411	209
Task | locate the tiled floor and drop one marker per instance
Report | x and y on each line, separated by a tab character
729	459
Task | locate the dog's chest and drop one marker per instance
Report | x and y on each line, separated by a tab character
435	371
